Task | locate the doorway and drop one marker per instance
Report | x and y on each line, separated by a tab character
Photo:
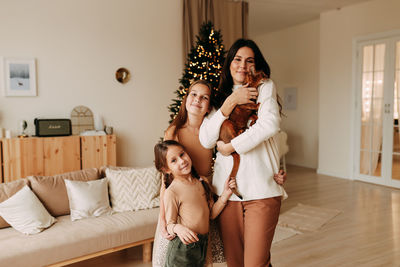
377	151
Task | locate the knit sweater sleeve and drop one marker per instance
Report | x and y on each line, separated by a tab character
209	129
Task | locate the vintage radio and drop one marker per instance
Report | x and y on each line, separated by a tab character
53	127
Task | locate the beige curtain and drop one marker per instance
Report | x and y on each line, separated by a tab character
371	138
372	109
231	17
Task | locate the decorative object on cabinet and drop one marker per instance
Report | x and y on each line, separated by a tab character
82	120
91	133
108	129
19	77
52	127
98	125
122	75
22	157
23	125
8	134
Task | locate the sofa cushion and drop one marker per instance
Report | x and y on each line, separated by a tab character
67	239
134	189
88	199
7	190
52	192
103	169
25	213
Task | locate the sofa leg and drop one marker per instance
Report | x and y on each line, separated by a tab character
147	252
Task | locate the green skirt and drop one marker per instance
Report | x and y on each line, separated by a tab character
192	255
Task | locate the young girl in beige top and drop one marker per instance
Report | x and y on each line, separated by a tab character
188	205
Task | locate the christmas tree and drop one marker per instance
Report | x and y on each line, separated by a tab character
204	62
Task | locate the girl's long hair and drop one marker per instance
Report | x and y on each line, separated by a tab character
160	161
181	118
226	80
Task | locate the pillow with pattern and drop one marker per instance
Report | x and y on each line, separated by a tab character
133	189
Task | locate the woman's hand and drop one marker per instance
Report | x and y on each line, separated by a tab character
186	235
244	95
225	148
241	95
280	177
164	231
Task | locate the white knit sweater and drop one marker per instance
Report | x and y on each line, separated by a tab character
259	158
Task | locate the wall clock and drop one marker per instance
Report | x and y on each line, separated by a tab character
122	75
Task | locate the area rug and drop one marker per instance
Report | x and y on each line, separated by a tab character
282	233
306	218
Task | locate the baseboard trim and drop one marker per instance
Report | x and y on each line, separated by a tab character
300	165
336	175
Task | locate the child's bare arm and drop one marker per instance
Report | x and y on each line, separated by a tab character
223	199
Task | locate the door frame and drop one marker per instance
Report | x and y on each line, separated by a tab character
358	42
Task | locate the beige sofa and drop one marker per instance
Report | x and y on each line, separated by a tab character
68	241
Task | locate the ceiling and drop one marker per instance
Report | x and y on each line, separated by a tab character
271	15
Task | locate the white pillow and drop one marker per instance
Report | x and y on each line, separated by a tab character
88	199
134	189
25	213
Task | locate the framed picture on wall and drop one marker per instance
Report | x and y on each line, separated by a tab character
19	77
290	98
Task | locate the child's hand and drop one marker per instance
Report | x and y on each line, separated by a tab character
166	235
164	231
280	178
186	235
228	186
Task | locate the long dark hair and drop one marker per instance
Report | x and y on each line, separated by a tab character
226	80
181	117
160	162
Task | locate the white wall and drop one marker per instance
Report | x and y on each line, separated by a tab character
78	46
338	29
293	55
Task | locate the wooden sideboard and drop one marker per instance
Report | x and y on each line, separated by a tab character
21	157
98	151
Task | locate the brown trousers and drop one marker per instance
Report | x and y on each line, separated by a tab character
247	229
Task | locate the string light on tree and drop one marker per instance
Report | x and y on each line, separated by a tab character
204	61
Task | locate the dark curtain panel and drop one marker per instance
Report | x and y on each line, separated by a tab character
231	17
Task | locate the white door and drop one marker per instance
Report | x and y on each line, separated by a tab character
377	151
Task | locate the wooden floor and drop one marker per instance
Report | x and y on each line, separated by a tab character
366	233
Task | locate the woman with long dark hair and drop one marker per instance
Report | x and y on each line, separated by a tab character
247	225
